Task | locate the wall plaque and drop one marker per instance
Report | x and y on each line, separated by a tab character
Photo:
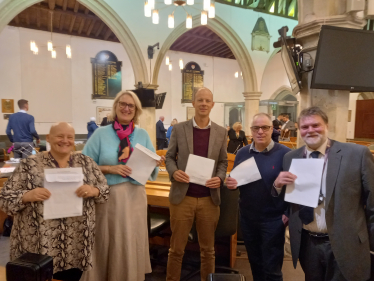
101	112
7	105
192	80
106	75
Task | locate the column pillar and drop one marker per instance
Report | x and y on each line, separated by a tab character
147	119
312	15
252	104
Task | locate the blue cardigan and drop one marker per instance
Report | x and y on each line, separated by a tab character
103	147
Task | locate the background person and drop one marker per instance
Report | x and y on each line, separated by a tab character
23	194
168	133
91	127
189	201
22	125
105	120
237	138
278	122
288	125
261	215
121	249
332	241
160	134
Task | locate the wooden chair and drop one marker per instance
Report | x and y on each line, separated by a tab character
230	162
162	153
293	139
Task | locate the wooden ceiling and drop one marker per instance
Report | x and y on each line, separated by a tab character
69	17
202	41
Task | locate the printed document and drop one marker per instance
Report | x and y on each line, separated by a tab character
199	169
246	172
142	163
306	188
62	183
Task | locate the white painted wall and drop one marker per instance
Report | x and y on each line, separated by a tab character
218	77
57	89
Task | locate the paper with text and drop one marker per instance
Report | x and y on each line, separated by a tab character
246	172
142	163
62	183
199	169
305	190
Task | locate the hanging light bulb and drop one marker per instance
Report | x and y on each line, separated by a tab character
171	21
155	17
204	18
151	4
53	54
170	67
147	10
49	46
68	55
212	11
189	21
236	74
68	49
167	2
167	61
36	50
32	45
181	64
190	2
206	5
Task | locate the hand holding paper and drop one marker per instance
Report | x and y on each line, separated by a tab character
36	195
246	172
199	169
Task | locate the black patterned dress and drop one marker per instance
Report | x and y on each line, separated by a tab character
68	240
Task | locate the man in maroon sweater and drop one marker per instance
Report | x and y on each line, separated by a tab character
189	201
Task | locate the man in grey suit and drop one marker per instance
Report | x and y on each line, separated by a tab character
333	240
288	125
189	201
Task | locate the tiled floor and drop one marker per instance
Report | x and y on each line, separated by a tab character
158	274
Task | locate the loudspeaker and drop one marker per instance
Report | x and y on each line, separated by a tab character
146	96
355	5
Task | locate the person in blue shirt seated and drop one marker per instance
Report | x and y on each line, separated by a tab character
168	133
262	215
22	125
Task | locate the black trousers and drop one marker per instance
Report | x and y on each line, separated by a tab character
317	259
264	242
73	274
160	144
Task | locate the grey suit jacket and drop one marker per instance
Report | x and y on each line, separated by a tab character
181	146
290	126
349	208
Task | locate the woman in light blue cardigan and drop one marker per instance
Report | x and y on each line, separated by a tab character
121	244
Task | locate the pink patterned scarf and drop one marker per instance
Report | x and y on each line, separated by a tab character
125	149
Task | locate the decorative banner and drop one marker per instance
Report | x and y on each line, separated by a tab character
193	80
106	75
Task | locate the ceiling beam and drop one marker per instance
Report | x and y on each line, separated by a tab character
90	27
38	18
61	24
72	21
76	7
27	19
98	31
203	46
16	19
67	12
209	47
86	11
81	26
50	22
51	4
64	5
180	43
214	48
223	51
107	34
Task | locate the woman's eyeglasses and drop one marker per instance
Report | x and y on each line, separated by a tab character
257	128
123	105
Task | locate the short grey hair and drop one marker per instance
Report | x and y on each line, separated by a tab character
263	114
313	111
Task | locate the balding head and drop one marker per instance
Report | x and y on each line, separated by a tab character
203	90
61	138
203	102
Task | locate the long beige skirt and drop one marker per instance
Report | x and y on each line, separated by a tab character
121	250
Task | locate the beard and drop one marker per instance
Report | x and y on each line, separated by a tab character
314	140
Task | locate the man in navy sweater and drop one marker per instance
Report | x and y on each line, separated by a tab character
23	128
261	215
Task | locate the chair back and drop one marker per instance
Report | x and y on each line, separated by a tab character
161	153
228	219
230	162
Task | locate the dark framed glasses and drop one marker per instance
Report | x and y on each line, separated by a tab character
263	128
124	104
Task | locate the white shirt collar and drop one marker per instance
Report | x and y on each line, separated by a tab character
321	149
23	111
196	126
267	149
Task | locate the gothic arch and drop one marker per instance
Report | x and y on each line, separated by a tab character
229	36
11	8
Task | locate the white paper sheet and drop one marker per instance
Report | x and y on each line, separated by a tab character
246	172
305	190
199	169
7	170
142	163
62	183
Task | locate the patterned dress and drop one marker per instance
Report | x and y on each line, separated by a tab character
68	240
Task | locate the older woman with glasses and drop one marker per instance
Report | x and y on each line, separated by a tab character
121	246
